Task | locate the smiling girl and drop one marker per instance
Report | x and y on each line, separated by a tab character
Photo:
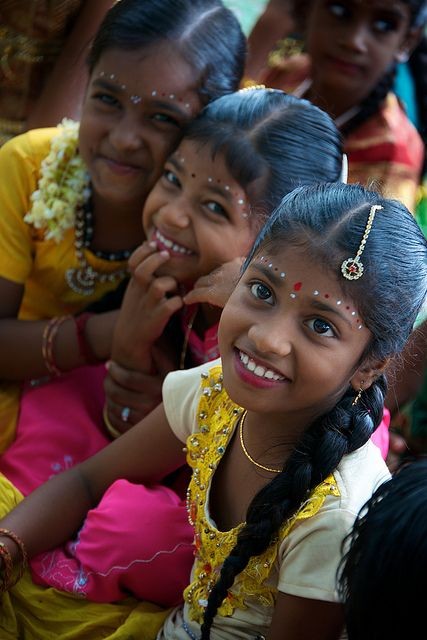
277	432
352	50
71	199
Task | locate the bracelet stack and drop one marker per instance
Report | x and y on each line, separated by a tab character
8	577
48	343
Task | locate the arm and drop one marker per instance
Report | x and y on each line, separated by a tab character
147	453
63	92
297	618
21	340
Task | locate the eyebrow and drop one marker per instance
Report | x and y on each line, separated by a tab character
279	282
159	104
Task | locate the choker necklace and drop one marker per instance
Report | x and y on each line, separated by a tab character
87	236
82	280
246	452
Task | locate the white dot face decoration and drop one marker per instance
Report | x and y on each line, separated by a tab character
296	287
136	98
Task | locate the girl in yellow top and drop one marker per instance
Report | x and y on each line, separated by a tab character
71	200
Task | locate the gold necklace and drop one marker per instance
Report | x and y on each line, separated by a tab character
246	452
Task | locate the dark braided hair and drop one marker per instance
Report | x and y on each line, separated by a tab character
418	65
330	220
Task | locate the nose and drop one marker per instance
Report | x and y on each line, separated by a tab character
174	214
355	37
127	134
272	337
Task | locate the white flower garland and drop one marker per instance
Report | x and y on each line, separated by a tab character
63	186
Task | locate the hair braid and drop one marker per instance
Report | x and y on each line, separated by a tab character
372	102
344	429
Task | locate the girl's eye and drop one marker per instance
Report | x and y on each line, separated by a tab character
167	119
261	292
171	177
107	99
216	208
337	9
321	327
384	25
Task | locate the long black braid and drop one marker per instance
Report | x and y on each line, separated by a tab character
343	430
330	220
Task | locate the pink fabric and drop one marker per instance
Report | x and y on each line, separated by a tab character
60	424
381	436
137	540
202	349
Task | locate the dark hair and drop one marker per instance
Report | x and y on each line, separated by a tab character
417	63
330	220
207	34
382	577
273	137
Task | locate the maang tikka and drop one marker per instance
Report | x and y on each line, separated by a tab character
352	268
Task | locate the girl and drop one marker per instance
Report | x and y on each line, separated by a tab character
277	434
349	69
152	67
387	560
231	168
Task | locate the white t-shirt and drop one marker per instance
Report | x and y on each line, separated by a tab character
309	556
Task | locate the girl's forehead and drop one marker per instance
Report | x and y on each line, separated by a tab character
153	73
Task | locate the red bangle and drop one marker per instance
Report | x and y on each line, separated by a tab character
85	350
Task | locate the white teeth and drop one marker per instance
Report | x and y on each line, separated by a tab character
172	245
258	369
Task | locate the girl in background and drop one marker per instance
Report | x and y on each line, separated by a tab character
277	433
71	199
352	49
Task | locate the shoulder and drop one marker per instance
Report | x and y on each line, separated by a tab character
21	157
358	475
389	135
181	394
289	73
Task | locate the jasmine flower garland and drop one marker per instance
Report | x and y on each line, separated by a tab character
63	186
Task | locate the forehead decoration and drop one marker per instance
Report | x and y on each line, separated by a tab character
352	268
136	99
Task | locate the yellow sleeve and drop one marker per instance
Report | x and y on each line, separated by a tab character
20	160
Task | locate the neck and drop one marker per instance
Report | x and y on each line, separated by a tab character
116	227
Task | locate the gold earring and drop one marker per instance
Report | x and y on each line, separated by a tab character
358	395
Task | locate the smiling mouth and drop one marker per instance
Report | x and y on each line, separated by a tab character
258	369
163	242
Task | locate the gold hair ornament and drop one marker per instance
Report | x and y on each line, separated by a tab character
352	268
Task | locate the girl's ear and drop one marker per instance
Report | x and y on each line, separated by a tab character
409	43
368	373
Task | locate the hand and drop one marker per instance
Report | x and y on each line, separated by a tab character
139	392
217	286
148	304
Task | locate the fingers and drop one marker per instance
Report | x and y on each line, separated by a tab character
140	253
130	395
